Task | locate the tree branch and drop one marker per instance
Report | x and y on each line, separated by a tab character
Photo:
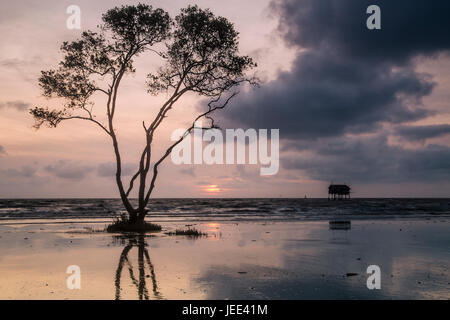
88	119
132	182
211	109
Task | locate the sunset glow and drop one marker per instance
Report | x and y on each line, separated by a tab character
212	189
395	105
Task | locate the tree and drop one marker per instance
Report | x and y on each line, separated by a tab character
200	56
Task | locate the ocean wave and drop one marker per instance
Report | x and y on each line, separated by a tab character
225	209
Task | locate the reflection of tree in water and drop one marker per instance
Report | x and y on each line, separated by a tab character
143	260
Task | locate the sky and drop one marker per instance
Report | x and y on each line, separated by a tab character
364	107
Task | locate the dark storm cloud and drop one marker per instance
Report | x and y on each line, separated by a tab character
408	27
372	159
19	105
423	132
68	170
347	78
327	94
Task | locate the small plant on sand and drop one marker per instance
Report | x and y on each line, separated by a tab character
122	224
190	232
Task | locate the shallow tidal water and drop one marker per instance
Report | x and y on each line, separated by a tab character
237	260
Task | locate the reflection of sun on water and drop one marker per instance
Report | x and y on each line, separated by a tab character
214	228
213	225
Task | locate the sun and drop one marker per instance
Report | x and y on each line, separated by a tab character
211	189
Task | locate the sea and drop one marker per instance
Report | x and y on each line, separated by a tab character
276	209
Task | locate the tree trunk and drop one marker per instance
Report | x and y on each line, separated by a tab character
133	217
141	215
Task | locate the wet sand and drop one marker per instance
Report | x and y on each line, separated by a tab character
245	260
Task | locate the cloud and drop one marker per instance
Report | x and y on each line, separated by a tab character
421	133
19	105
190	171
23	172
68	170
346	78
408	28
11	63
362	159
327	94
108	169
348	84
25	68
2	150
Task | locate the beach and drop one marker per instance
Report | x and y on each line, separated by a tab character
261	259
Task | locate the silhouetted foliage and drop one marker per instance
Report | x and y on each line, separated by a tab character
122	224
201	56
